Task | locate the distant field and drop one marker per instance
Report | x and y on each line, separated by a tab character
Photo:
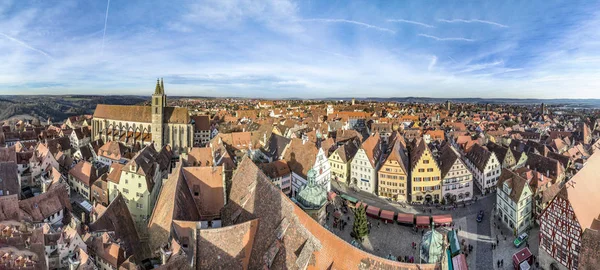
58	108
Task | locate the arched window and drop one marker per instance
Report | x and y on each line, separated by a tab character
156	101
155	110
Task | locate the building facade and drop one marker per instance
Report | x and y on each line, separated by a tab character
514	202
485	167
393	174
139	183
457	179
145	124
426	183
365	164
341	159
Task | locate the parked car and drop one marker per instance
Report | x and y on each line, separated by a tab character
480	216
521	239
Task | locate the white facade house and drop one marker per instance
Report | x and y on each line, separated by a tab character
364	166
322	167
302	155
457	179
78	139
485	167
514	202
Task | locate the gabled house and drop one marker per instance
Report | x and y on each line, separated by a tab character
139	183
457	179
365	164
514	201
302	155
426	182
504	155
113	152
81	178
570	225
280	174
394	171
485	166
341	159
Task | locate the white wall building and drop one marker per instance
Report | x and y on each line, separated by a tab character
485	167
514	202
364	166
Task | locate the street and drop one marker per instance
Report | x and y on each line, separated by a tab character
396	240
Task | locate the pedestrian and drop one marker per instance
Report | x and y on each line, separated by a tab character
502	262
505	238
498	264
497	241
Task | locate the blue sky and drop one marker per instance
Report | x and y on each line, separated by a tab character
306	49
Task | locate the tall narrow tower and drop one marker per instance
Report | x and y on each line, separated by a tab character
543	109
159	101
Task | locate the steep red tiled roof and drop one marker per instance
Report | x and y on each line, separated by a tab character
208	184
142	114
287	237
582	192
117	218
175	202
40	207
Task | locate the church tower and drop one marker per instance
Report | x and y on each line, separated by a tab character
159	102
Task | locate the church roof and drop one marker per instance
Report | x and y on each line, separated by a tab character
172	115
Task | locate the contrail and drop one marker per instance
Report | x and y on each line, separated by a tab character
105	22
351	22
22	43
446	39
411	22
473	21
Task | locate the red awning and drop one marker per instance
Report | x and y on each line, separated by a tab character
442	219
459	262
361	204
422	220
331	195
385	214
373	211
406	218
521	256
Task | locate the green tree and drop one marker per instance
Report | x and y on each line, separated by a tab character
360	227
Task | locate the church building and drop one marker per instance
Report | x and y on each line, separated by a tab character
142	125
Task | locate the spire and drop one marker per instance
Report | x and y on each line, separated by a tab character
158	90
311	175
162	86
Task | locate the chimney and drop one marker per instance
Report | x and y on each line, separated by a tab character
165	255
547	173
74	262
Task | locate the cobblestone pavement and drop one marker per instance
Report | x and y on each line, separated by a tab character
395	239
506	248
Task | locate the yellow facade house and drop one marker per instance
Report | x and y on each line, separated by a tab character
393	174
426	183
340	160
